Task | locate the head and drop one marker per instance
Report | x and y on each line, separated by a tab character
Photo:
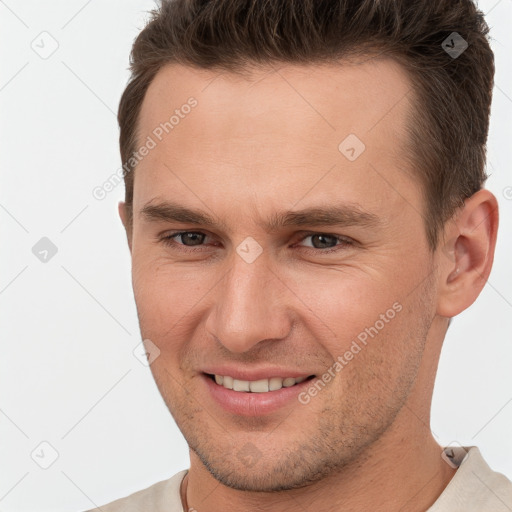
326	161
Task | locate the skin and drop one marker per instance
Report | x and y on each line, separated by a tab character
254	146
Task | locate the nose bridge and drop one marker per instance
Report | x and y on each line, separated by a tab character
248	306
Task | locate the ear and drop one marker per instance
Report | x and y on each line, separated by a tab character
465	258
124	215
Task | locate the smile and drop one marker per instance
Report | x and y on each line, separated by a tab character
257	386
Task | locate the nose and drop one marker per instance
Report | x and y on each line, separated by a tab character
249	306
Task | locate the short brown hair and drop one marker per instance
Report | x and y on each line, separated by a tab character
449	126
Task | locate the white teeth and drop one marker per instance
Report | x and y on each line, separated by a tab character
275	383
289	381
227	382
257	386
240	385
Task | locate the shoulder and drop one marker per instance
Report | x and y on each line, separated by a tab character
161	496
475	486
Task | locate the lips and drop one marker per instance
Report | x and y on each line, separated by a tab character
259	402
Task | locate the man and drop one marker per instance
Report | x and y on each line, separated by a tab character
305	213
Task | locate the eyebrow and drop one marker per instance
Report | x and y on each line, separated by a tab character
334	215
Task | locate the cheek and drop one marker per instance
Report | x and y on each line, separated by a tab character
346	301
169	301
156	297
163	284
376	369
336	304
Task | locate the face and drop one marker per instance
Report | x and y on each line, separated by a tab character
267	244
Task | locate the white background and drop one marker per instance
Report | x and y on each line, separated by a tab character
68	375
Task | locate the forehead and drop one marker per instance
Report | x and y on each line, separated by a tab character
315	90
279	126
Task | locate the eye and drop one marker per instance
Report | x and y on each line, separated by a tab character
325	242
184	238
320	243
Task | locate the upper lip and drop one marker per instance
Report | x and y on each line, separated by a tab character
255	373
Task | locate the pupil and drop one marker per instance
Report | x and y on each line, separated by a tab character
322	242
192	237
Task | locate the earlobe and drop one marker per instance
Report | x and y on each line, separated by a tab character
465	262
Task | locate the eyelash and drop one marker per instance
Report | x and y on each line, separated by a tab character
168	240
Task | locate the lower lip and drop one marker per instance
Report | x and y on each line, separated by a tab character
253	404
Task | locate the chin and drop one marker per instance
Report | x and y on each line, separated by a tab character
290	470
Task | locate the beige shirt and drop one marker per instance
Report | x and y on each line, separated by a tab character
473	488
